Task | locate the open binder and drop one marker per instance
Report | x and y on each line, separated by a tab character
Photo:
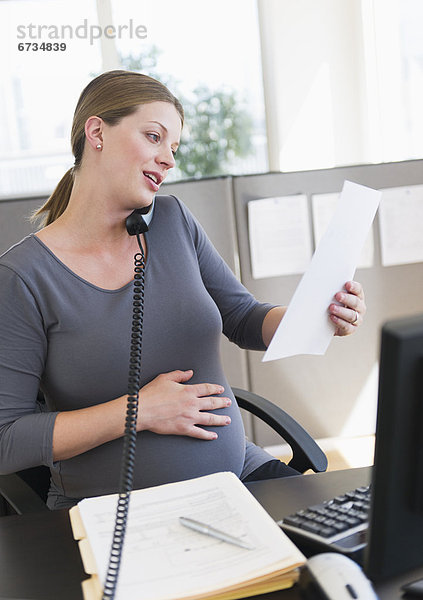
162	560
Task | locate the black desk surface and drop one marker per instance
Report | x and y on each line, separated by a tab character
39	560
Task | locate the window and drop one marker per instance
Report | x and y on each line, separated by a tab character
394	68
207	55
210	58
343	81
39	89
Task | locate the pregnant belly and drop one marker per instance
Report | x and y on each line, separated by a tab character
159	459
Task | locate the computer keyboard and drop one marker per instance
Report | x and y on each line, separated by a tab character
338	524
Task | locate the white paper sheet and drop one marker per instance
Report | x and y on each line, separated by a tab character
306	327
401	225
279	235
323	209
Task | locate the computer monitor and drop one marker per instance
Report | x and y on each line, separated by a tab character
395	542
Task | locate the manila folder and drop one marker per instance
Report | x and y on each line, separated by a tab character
163	560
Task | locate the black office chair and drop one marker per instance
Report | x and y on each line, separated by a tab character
306	454
26	491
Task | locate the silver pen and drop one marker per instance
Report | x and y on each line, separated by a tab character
212	532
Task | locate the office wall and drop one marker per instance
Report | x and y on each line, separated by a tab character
333	395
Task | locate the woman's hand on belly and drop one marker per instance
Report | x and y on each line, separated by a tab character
167	406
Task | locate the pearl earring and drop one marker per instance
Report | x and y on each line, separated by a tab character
98	146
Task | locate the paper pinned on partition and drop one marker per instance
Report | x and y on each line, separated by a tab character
400	222
306	327
279	236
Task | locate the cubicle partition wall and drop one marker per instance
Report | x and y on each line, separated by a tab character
15	221
331	395
334	394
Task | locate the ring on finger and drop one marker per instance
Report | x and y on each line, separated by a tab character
356	318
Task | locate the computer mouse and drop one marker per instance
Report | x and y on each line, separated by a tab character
334	576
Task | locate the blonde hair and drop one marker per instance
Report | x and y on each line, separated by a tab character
110	96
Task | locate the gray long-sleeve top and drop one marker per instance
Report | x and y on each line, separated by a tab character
71	338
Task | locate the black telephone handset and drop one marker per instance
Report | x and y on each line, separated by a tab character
135	225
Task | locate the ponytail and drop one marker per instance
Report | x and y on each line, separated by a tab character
58	201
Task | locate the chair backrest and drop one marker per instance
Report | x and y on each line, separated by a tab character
38	478
18	497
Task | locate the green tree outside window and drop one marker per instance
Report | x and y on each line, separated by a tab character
217	127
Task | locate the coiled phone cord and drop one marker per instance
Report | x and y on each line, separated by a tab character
130	435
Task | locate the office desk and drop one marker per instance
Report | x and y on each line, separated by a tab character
39	560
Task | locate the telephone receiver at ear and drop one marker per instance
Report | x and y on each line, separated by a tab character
135	224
